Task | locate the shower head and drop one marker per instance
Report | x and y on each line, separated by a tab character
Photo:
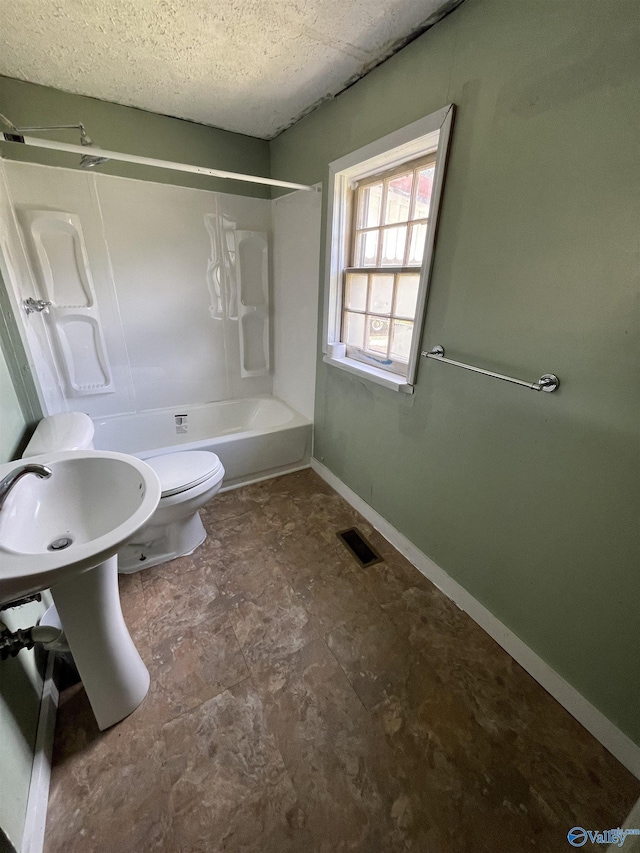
86	161
85	139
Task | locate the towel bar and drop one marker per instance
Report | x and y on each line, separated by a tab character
548	382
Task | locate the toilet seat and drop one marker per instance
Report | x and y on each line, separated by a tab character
184	470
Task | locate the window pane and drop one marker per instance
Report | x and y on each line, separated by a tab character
369	204
393	245
377	339
353	329
398	199
423	193
381	294
406	295
401	339
356	292
416	244
366	252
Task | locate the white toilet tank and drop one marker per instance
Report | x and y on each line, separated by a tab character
64	431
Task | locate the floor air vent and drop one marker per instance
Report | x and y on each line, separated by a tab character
358	547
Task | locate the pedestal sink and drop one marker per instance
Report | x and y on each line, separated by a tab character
63	533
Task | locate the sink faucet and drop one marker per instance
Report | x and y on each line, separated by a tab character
11	479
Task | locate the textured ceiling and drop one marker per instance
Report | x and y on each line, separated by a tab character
252	66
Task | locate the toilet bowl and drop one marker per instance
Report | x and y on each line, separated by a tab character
188	480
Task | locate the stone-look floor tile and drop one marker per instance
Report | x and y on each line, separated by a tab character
230	788
207	555
473	665
239	533
388	580
500	696
302	484
242	575
375	657
188	669
565	766
455	646
348	784
334	600
411	730
109	790
228	505
384	669
270	624
282	508
429	619
462	785
505	701
305	554
175	603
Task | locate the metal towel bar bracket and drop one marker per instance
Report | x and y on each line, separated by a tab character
548	382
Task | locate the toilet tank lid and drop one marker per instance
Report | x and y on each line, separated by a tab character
182	470
64	431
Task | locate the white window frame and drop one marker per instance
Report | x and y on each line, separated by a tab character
422	137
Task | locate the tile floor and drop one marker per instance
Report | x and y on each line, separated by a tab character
300	703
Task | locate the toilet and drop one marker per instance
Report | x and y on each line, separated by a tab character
188	480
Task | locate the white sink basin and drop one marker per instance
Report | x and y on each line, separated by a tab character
62	533
93	502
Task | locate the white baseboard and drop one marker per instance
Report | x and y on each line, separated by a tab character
618	744
36	817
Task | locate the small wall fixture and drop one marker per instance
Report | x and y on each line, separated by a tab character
36	306
548	382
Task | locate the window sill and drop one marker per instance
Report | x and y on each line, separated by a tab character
374	374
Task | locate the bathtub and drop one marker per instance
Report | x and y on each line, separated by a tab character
255	438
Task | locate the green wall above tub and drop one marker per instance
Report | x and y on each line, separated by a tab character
529	500
133	131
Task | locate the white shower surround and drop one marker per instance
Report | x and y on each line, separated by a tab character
296	219
171	332
150	252
254	438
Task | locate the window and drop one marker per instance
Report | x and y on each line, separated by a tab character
383	207
390	213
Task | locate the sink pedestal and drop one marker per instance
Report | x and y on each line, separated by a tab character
112	671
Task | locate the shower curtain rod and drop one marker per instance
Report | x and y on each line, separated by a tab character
146	161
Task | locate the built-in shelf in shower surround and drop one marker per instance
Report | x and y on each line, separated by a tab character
214	267
252	281
61	269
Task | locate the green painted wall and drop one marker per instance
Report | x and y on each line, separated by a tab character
529	500
133	131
